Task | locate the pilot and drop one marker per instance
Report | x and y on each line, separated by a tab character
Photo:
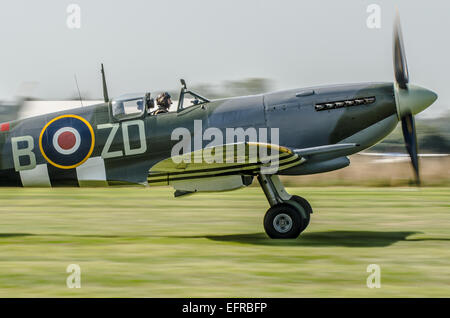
163	101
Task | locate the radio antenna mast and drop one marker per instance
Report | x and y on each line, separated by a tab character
79	94
105	88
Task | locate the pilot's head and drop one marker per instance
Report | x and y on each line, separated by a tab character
164	100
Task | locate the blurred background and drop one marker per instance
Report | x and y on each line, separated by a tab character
140	242
52	51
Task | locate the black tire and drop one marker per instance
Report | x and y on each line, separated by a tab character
283	221
306	206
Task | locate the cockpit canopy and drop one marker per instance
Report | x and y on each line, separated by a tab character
190	96
129	105
136	105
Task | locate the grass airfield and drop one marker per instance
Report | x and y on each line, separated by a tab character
141	242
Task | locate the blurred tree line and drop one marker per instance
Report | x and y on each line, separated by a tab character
249	86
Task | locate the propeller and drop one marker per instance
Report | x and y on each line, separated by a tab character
410	99
410	137
400	65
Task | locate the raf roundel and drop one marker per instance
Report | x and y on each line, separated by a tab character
67	141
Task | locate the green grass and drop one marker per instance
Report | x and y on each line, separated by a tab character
134	242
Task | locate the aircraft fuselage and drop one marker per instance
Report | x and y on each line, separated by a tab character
41	151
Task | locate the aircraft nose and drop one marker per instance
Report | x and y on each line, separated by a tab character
415	99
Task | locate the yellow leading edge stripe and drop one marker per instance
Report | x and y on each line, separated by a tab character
90	150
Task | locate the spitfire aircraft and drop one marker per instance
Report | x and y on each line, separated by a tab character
124	142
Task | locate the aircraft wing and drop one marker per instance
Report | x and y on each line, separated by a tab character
227	159
231	159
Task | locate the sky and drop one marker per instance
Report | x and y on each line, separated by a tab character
150	45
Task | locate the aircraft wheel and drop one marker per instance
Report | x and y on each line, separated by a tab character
306	206
283	221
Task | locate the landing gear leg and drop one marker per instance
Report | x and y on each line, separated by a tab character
288	215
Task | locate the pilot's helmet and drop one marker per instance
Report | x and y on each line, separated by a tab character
164	100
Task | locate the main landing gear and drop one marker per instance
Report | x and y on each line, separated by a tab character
288	215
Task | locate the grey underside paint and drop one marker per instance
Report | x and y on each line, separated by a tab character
337	160
317	166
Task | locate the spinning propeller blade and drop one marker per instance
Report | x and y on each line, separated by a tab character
410	137
410	99
400	64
